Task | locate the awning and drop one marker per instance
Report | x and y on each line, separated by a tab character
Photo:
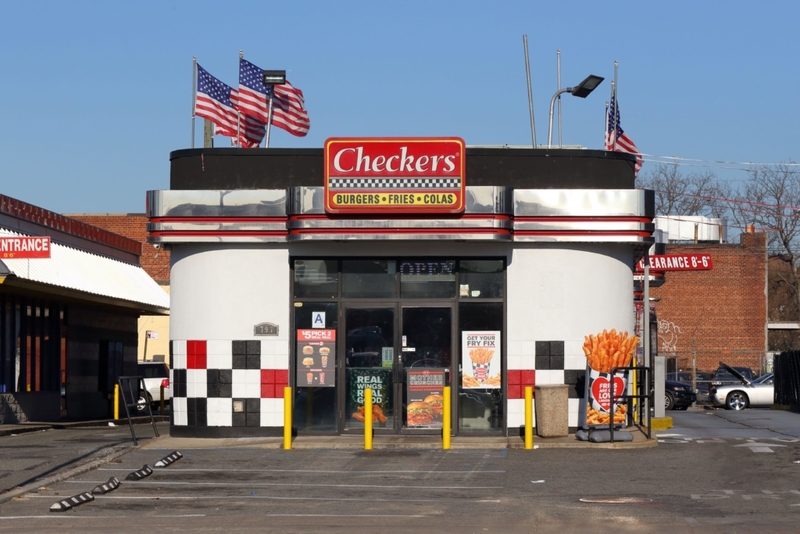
77	274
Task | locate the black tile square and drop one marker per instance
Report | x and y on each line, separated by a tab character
201	419
239	361
572	376
239	419
542	361
253	419
225	390
254	361
191	405
576	380
556	362
238	347
542	348
191	419
225	376
201	405
212	376
254	347
556	348
212	390
171	353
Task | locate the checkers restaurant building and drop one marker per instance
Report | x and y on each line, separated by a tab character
400	265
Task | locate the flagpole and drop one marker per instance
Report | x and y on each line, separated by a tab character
530	94
194	92
239	113
615	100
269	116
558	62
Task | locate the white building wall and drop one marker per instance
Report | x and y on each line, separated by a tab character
564	293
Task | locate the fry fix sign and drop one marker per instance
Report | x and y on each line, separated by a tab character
13	248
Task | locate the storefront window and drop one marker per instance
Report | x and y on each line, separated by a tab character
427	279
481	278
480	409
316	278
369	278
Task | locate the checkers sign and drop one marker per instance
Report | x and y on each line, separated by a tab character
394	175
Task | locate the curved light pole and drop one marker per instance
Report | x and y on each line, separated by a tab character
581	90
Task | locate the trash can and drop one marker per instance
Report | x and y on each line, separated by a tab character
552	410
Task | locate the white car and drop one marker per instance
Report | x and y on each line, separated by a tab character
155	374
758	392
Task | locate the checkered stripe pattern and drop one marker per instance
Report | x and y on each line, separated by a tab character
226	383
395	183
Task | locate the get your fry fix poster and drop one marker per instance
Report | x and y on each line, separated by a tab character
480	359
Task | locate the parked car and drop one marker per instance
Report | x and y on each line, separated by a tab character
678	395
758	392
155	374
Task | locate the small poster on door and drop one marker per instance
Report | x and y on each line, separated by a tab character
480	359
424	389
380	382
316	358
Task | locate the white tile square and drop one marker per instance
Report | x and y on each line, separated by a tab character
219	361
516	406
218	347
557	376
253	376
212	405
178	348
514	348
238	388
211	418
252	390
514	361
574	362
179	361
179	405
225	418
194	376
180	418
528	348
268	346
515	420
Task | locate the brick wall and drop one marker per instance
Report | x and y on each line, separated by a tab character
154	261
720	314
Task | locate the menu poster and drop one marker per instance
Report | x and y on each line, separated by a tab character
424	389
377	379
316	358
480	359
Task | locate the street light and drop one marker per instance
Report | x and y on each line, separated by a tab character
270	79
581	90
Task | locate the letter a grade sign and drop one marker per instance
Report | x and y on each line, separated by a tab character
394	175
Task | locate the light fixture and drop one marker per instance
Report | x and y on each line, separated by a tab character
278	77
581	90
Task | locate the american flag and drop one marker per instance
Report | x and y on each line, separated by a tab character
614	130
252	129
288	105
213	102
253	94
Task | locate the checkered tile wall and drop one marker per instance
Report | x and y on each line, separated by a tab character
227	383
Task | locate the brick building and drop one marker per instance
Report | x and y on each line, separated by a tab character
716	315
155	262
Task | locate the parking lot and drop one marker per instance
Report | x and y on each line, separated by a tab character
711	471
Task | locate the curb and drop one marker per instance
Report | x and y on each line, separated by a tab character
101	457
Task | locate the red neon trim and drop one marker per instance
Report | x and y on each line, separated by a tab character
232	233
218	220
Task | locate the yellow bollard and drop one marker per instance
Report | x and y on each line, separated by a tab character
287	418
528	417
446	418
635	402
116	402
368	419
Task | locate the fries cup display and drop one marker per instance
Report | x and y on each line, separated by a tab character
606	352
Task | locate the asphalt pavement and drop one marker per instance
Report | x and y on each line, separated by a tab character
714	471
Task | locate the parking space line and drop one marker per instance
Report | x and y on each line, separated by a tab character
267	497
313	485
310	471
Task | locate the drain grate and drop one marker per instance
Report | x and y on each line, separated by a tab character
616	500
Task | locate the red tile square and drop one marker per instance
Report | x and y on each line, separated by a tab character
196	354
514	392
267	391
200	361
190	360
514	377
528	377
281	378
268	376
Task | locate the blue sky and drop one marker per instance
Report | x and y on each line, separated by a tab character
95	95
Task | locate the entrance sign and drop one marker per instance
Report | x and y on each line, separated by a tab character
480	359
395	175
24	247
424	389
316	358
677	262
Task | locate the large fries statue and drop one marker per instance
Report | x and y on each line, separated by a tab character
604	352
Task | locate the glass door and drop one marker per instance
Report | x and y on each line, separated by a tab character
424	365
369	363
